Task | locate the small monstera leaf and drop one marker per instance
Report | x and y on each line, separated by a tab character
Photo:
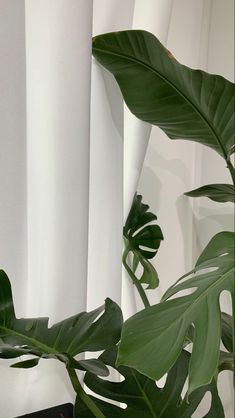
217	192
143	398
142	240
158	333
139	235
87	331
185	103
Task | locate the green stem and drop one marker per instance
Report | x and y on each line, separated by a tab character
135	280
83	395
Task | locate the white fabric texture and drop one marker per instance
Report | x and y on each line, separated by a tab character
72	157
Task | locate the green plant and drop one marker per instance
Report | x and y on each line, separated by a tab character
63	341
192	105
187	104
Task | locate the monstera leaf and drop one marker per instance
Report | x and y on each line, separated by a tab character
158	333
184	103
87	331
143	398
142	240
217	192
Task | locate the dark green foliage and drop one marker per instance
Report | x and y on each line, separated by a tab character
142	240
143	398
64	340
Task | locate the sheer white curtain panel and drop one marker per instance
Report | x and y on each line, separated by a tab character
72	156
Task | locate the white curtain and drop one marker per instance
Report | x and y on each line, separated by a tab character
72	156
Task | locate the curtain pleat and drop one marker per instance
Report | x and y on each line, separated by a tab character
106	166
45	205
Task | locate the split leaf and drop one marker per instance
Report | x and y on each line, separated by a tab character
158	333
87	331
143	398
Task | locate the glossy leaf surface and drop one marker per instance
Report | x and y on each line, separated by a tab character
185	103
87	331
217	192
142	240
137	231
157	333
143	398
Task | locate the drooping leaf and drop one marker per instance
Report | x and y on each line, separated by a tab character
149	275
158	333
92	331
143	398
142	240
185	103
217	192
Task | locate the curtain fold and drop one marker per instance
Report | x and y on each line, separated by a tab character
72	156
47	47
156	19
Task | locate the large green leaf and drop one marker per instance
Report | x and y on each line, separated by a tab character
144	399
142	240
217	192
93	331
157	334
185	103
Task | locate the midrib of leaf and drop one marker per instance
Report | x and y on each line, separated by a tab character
33	341
192	306
144	396
198	111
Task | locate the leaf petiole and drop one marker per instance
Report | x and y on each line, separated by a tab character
82	395
135	280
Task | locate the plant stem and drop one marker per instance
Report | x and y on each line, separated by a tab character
135	280
83	395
